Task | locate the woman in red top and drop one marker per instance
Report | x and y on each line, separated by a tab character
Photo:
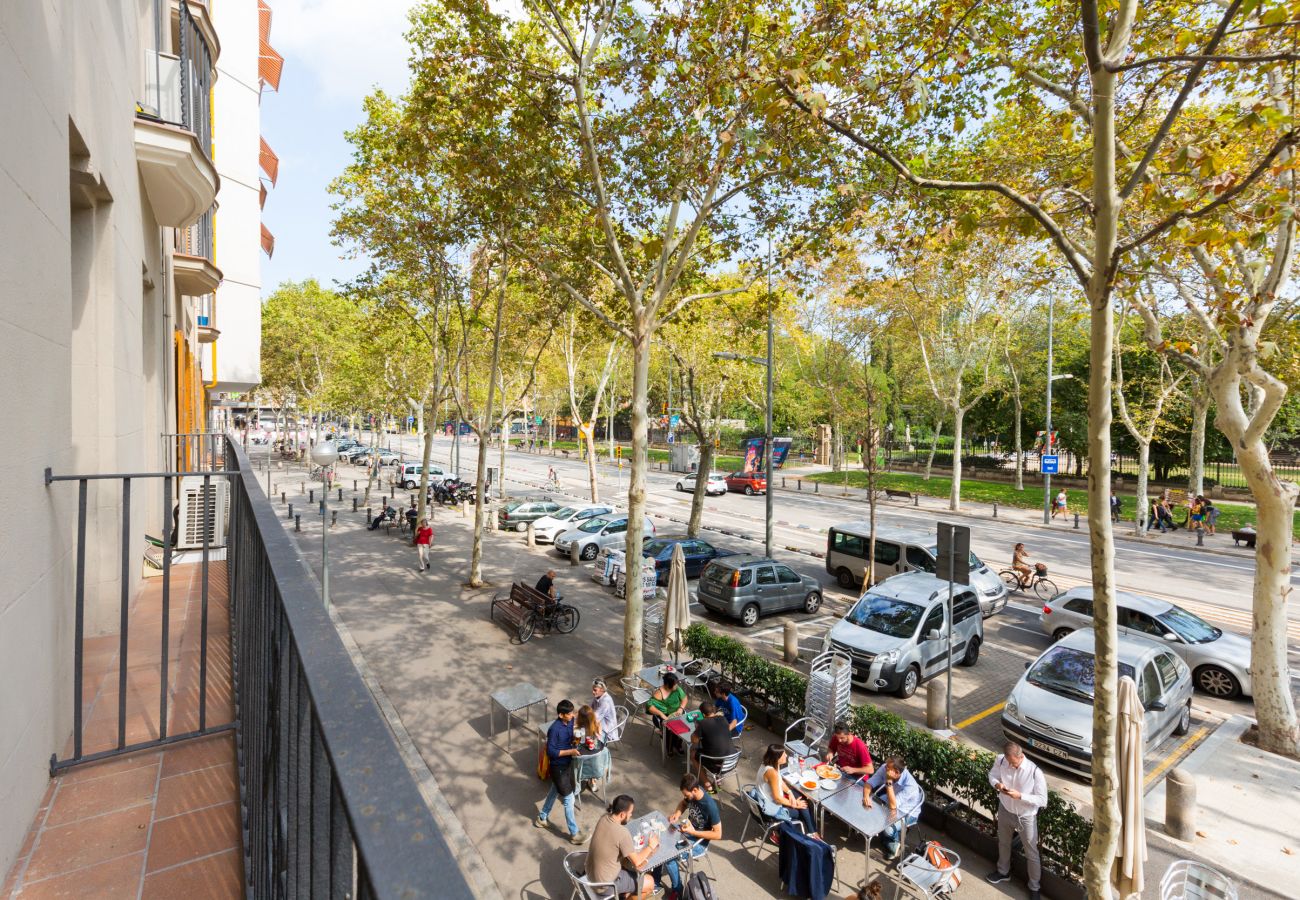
849	752
423	538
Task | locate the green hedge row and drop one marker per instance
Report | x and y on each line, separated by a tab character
949	766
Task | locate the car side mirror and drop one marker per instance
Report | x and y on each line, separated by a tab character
933	635
1171	637
1028	664
1156	706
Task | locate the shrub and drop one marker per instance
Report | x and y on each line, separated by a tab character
957	769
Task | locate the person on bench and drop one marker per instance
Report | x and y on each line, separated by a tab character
546	586
386	513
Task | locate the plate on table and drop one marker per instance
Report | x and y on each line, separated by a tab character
809	784
829	772
829	785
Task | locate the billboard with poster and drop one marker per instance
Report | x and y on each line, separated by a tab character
754	453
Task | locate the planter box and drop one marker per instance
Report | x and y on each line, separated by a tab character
985	844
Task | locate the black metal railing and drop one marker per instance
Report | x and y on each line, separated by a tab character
196	240
178	86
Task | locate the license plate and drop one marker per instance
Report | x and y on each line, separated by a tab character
1049	749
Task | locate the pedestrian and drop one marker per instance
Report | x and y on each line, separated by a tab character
1022	792
423	538
559	754
1197	514
1061	505
1211	516
1115	507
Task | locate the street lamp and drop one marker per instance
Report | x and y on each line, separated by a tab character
324	454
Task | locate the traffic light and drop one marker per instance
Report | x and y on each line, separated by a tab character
618	451
665	407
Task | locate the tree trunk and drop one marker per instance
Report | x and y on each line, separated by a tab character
701	483
954	495
934	445
422	501
371	469
837	461
589	441
1196	454
1143	501
634	603
1020	450
505	442
480	487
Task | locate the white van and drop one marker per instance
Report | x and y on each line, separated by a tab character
901	550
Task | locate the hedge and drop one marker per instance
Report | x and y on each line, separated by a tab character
949	766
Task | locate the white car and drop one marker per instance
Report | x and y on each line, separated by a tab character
548	528
591	536
716	485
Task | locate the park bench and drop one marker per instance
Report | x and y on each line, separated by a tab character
518	607
1244	537
893	494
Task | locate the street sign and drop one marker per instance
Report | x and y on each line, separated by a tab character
671	438
1050	465
673	420
954	548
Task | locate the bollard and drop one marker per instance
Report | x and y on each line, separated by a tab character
1180	805
321	512
354	484
412	499
463	507
782	481
290	515
383	502
573	553
936	703
798	483
995	509
1200	538
311	496
334	517
302	487
1076	521
340	495
531	539
791	642
369	515
354	504
282	497
916	500
817	487
297	523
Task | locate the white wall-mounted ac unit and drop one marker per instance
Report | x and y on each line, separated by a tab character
190	524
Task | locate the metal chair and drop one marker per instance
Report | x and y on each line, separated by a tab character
697	672
804	747
575	866
621	715
756	815
723	766
635	694
930	879
1186	879
691	859
740	723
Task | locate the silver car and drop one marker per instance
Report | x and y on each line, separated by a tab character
548	528
594	534
716	485
1049	711
1220	662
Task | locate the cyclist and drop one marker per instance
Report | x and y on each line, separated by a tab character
553	478
1020	562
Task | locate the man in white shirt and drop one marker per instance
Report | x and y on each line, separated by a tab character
603	705
1022	792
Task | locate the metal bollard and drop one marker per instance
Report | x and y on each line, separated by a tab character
817	487
302	487
290	515
369	515
1180	805
1200	538
791	642
282	497
311	496
340	495
384	501
936	703
531	538
916	500
798	483
574	554
464	505
354	484
354	504
297	523
1076	521
334	517
995	509
783	481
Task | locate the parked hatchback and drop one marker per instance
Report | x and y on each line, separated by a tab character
518	513
548	528
698	554
745	587
1220	662
1049	711
897	637
748	482
594	534
716	483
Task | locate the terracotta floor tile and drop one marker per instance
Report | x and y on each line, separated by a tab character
116	878
218	750
192	835
139	760
89	842
112	792
217	877
195	790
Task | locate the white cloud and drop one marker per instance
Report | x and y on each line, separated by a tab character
350	46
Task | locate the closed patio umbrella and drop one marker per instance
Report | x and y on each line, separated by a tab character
1130	859
677	609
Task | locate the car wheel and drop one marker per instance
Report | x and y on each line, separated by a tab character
972	653
749	615
589	552
812	602
1184	720
521	527
749	490
680	486
846	579
911	678
409	485
1217	683
1061	634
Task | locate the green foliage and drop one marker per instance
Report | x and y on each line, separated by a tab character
956	769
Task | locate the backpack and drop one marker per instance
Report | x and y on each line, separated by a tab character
935	857
699	888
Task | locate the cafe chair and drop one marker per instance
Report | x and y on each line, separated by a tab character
697	672
740	723
636	695
930	872
767	824
804	746
1187	879
688	865
720	767
621	715
575	866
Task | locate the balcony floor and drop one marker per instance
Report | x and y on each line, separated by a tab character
156	823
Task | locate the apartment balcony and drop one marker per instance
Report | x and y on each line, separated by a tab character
192	264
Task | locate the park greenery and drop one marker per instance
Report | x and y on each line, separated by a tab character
576	205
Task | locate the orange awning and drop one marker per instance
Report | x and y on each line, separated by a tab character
261	194
264	20
268	241
269	65
269	161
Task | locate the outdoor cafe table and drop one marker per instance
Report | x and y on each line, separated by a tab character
685	739
846	805
522	697
668	838
819	796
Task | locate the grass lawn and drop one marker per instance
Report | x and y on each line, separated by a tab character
720	463
1231	515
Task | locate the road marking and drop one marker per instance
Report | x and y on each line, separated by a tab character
1034	631
1174	756
979	715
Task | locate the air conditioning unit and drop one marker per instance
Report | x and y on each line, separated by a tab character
191	526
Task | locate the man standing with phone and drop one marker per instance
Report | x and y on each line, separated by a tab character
1022	792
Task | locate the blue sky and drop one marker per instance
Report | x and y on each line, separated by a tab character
335	53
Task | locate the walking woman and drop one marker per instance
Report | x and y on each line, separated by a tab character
423	538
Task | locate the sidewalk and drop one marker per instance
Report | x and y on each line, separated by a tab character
435	657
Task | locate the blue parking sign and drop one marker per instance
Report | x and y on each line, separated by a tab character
1050	465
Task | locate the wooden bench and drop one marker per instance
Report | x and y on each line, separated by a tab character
1246	537
893	494
515	608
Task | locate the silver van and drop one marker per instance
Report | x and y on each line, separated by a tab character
896	634
902	550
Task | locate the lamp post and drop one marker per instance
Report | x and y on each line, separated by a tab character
324	454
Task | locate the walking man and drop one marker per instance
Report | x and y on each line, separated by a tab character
560	751
1022	792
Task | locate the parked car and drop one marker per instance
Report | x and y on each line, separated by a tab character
902	550
748	482
897	637
387	457
358	454
518	513
409	476
716	483
1220	662
1049	711
548	528
698	554
596	533
745	587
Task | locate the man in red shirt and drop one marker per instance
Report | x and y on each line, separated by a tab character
849	752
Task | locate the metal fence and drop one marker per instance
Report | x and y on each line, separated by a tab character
1225	473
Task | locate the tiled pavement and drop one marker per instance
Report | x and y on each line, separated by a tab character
159	823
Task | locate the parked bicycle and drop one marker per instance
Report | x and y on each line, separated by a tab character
1042	586
557	617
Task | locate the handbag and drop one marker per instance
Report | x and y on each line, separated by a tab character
543	764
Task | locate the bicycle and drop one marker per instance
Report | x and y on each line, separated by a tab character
1039	583
557	616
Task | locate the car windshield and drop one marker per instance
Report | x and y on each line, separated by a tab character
974	560
565	513
1188	626
514	505
591	526
895	618
1069	672
655	547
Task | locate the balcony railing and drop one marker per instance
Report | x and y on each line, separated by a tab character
196	240
178	87
328	806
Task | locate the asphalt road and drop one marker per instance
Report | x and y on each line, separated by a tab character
1215	587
